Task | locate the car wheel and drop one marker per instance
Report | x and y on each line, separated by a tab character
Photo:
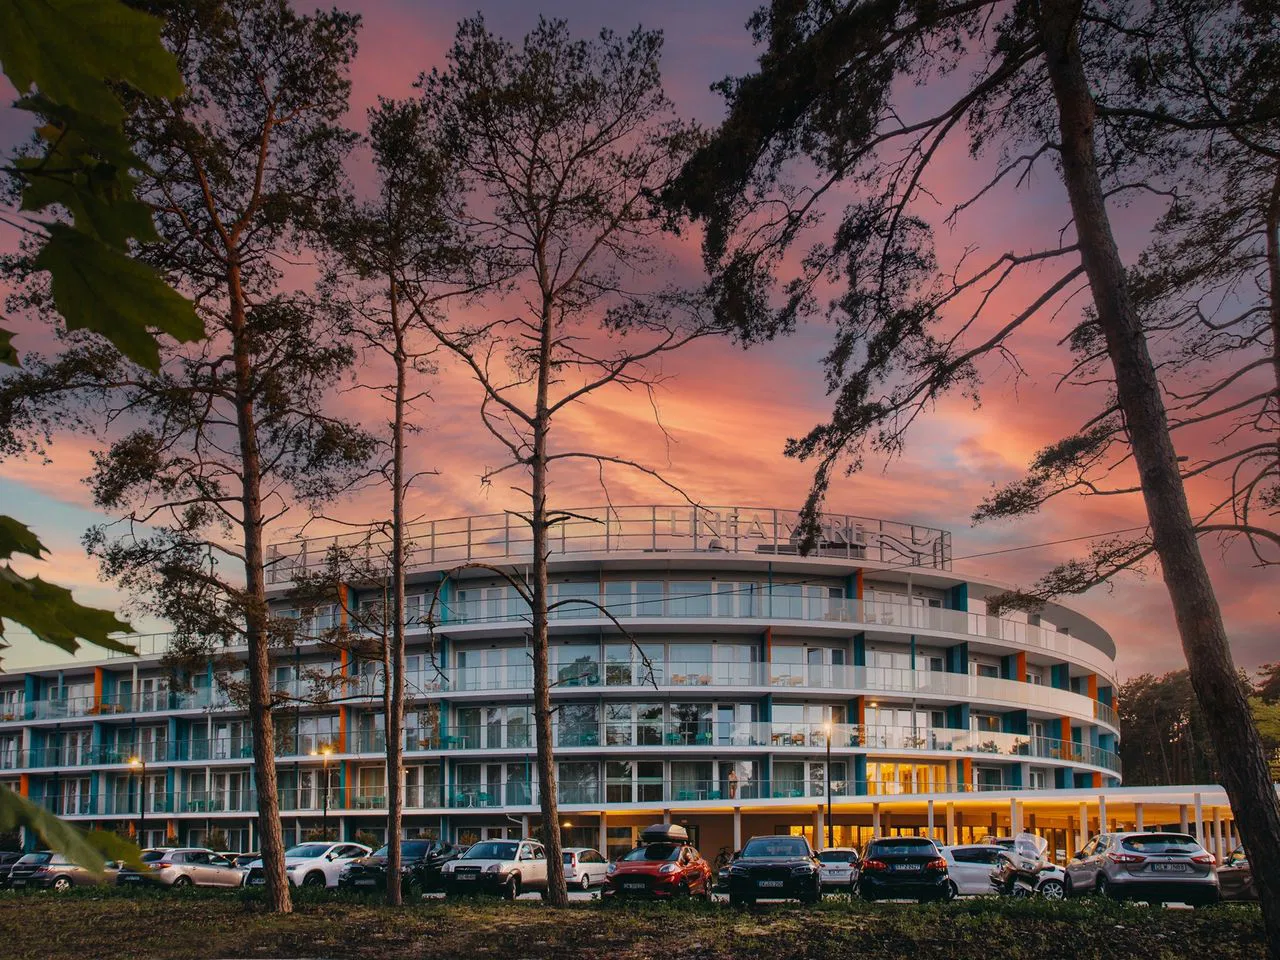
62	884
1103	887
866	894
182	882
511	889
952	891
313	879
738	901
412	890
1067	892
585	882
1053	890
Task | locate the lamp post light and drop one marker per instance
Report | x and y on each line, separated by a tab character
139	763
323	753
827	778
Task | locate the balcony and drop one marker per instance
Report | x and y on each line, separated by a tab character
757	531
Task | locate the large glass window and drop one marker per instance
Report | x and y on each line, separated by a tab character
689	598
735	663
569	600
579	725
692	780
627	666
579	782
690	724
691	663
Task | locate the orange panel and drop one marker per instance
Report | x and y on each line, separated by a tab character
1097	779
97	686
966	767
857	583
1021	667
862	710
24	785
768	644
342	729
342	604
1093	686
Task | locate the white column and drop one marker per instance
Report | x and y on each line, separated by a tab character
604	834
1103	825
666	815
819	830
1217	836
737	828
929	820
1199	819
1182	818
1084	826
875	819
524	826
951	823
1015	818
1138	817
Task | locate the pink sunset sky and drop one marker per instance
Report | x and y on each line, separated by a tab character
727	412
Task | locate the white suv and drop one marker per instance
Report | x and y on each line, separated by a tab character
506	867
311	864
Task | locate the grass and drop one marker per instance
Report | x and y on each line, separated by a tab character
104	923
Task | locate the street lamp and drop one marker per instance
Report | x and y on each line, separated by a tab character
827	778
324	752
140	764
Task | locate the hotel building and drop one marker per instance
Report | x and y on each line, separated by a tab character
733	686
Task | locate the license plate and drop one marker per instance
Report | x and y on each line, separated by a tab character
366	882
906	868
633	886
18	883
769	883
1168	868
132	879
466	876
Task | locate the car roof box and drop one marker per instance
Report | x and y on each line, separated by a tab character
665	833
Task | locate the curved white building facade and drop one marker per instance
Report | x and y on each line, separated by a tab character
703	670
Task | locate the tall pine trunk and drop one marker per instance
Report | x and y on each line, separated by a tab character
557	893
395	675
1199	618
270	833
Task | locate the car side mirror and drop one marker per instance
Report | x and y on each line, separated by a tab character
1078	855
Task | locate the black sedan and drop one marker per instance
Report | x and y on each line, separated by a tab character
780	867
420	863
7	859
909	868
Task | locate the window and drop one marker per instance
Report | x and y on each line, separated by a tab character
976	854
689	599
579	725
579	782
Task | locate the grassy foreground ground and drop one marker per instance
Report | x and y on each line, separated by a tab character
198	925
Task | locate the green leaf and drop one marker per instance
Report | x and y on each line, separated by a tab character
17	537
52	614
99	198
8	354
67	49
90	850
98	288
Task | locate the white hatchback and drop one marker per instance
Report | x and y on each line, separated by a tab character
315	864
838	868
584	867
969	867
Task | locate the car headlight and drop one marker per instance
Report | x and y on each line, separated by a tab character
345	871
737	871
493	868
613	868
668	868
802	869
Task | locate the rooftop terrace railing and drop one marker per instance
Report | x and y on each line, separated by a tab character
627	529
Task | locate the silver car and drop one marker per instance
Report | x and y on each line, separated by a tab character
182	867
838	869
1155	867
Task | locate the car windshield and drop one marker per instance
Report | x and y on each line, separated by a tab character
900	846
307	851
654	852
776	847
491	850
414	848
836	856
1161	843
36	858
151	856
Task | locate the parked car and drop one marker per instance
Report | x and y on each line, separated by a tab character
970	867
241	861
1235	877
903	867
315	864
584	867
182	867
1155	867
838	869
664	864
7	859
775	867
420	864
506	867
53	871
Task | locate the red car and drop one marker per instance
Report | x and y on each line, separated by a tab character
665	864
